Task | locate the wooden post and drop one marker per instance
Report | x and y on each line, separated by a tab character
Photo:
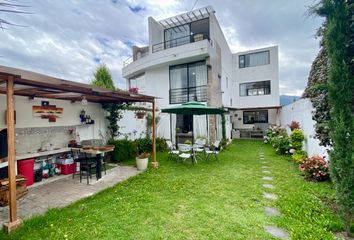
14	222
154	163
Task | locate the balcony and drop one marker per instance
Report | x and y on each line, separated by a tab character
179	41
182	95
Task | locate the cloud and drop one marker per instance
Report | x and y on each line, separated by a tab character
69	39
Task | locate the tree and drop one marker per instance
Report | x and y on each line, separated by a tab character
338	40
103	78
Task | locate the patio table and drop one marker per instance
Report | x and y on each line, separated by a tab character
98	152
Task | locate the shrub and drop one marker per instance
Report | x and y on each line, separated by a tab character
281	144
296	139
161	145
124	150
299	156
315	168
294	125
143	145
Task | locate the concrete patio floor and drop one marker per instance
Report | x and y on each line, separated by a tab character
64	191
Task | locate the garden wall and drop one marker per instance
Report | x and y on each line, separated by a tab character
301	111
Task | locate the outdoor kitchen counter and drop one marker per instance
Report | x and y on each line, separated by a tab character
36	155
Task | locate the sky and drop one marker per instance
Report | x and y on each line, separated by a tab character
69	39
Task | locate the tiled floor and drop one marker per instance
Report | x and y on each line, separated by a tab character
65	191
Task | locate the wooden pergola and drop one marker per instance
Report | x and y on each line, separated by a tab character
34	85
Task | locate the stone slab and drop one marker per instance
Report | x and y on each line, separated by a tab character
270	196
276	232
267	178
270	186
273	212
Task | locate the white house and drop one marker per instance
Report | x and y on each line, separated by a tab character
188	58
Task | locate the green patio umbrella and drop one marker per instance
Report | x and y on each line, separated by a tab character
193	108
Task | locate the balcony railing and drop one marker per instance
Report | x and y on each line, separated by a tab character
179	41
182	95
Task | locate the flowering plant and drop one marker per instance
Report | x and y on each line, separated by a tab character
294	125
315	168
133	90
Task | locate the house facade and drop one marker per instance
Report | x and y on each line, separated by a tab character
189	59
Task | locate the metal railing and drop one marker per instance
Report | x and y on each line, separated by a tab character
182	95
179	41
128	61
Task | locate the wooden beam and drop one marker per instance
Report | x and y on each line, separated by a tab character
154	163
13	221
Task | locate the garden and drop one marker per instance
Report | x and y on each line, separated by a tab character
178	201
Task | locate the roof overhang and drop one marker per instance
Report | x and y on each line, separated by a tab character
36	85
255	108
187	17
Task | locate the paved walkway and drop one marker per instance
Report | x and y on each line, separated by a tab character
64	191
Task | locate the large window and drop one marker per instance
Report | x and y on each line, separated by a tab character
188	82
184	34
254	59
255	88
138	82
251	117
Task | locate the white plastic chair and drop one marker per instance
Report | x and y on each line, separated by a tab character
214	151
186	153
172	152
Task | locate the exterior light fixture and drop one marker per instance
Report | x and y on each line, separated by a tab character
84	101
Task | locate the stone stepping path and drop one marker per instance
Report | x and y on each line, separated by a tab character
270	186
276	232
270	196
269	211
272	212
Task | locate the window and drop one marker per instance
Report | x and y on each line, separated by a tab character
254	59
138	82
250	117
255	88
184	34
188	82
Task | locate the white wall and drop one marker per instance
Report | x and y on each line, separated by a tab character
255	74
301	111
238	120
227	80
70	117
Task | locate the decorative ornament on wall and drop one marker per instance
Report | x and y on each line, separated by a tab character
46	111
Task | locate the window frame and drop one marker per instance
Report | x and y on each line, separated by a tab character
264	87
254	121
187	66
248	54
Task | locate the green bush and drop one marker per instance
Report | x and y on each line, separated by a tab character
124	150
281	144
296	139
299	156
143	145
161	145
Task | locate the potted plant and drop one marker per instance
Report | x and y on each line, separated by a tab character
142	161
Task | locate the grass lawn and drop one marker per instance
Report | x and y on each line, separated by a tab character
213	200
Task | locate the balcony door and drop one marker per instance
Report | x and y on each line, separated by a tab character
177	36
188	82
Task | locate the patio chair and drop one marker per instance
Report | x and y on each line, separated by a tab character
87	164
186	153
213	150
172	151
199	148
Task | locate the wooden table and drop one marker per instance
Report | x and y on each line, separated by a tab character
98	152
